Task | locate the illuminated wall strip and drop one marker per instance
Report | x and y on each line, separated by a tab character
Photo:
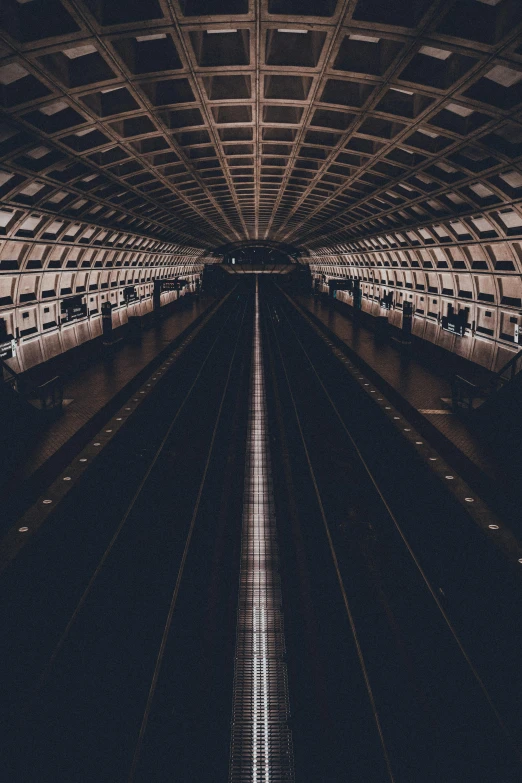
261	748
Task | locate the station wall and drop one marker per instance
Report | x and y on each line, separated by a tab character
44	261
483	277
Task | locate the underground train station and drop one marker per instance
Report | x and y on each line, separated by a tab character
261	391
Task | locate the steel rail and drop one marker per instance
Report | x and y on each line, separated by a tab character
424	578
346	602
128	511
175	593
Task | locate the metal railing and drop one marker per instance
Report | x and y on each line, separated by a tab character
49	395
10	377
508	372
465	393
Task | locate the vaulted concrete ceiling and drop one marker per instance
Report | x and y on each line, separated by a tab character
310	122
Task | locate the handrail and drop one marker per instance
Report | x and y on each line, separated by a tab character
464	392
13	376
510	369
50	393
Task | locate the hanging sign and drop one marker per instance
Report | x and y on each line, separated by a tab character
455	323
8	350
387	300
173	285
130	294
407	317
73	308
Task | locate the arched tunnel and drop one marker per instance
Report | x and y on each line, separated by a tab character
260	391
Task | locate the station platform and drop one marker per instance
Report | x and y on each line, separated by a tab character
417	378
96	380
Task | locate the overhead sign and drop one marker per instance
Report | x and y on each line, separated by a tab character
166	285
387	300
173	285
130	293
3	331
73	308
455	323
106	310
407	317
8	349
341	285
357	295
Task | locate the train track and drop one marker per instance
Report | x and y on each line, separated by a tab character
364	533
82	654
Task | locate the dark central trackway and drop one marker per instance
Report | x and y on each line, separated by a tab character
119	616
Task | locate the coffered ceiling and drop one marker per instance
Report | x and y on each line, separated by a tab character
310	122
